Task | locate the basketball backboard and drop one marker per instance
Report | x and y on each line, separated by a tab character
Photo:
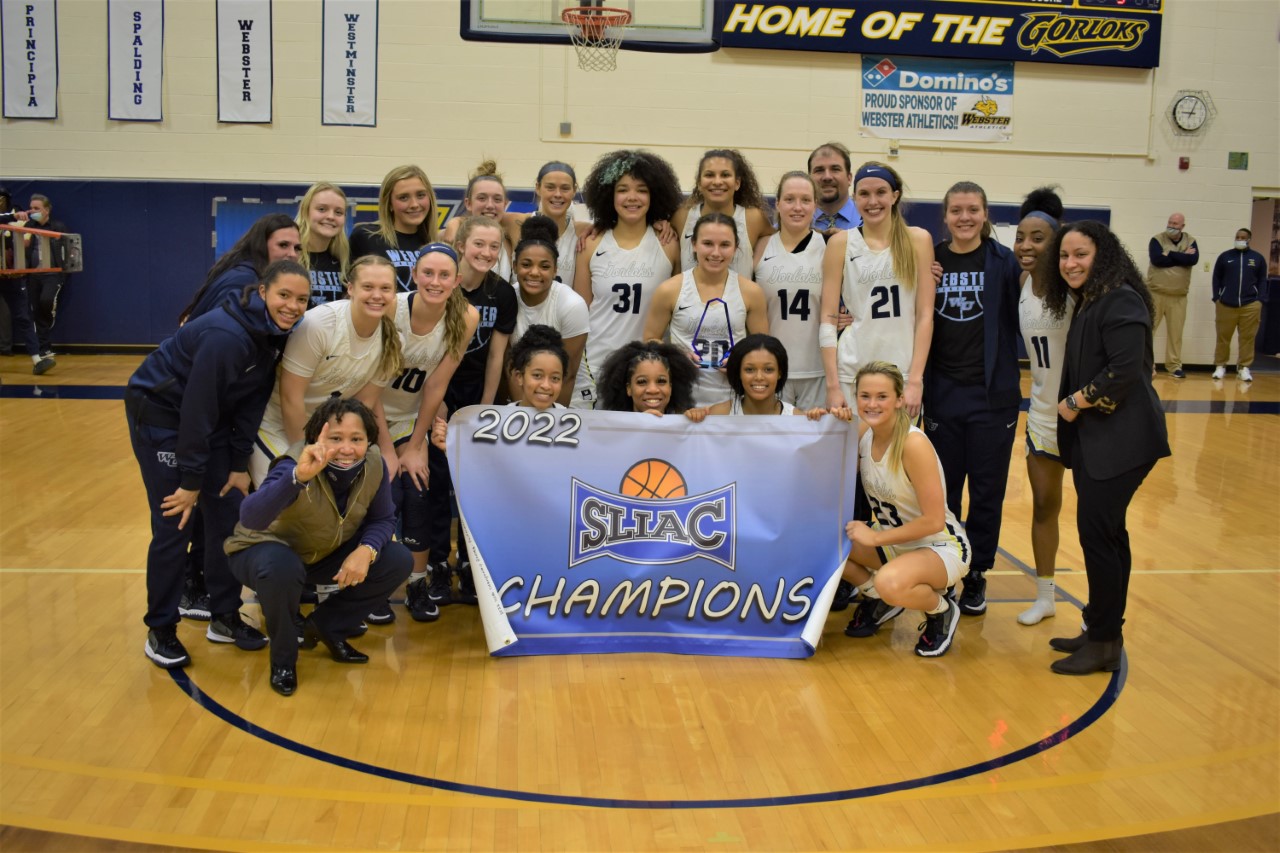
665	26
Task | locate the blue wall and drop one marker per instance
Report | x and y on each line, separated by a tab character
148	245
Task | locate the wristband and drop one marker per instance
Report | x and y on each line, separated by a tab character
826	335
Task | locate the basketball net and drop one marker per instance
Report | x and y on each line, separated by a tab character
596	33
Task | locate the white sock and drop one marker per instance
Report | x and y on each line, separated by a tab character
417	576
35	359
940	607
1043	607
869	589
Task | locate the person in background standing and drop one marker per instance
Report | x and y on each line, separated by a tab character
1237	287
832	172
1173	253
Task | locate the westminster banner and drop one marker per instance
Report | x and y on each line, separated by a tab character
598	532
907	97
135	60
349	63
244	61
29	41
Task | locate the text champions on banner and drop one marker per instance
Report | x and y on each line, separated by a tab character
349	63
244	61
135	59
29	30
619	532
956	100
1098	32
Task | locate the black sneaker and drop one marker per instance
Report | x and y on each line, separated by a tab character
420	605
844	594
439	589
870	614
381	614
165	649
466	584
973	598
230	628
43	366
938	631
194	604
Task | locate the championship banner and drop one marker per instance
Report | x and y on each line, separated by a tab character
1082	32
29	42
349	63
914	98
244	61
135	58
595	532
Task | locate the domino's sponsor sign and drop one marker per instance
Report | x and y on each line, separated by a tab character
619	532
915	98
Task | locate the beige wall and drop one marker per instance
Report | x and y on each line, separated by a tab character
1100	133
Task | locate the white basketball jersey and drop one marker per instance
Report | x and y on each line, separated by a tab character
622	286
792	285
1046	339
742	258
567	251
895	502
883	309
709	330
735	408
563	310
422	353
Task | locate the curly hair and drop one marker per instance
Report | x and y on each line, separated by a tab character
744	348
1042	200
748	193
664	187
336	408
621	366
1112	267
536	339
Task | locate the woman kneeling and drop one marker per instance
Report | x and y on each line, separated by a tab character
323	514
916	549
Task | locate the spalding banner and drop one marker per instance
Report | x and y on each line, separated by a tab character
620	532
1086	32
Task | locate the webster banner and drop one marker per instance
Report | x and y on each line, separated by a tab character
29	30
349	63
244	61
135	55
915	98
1082	32
618	532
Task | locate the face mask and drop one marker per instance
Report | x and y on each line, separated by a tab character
37	216
1172	232
343	476
1242	244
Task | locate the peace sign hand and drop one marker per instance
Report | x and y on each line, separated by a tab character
315	457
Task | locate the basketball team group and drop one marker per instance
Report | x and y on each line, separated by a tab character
291	433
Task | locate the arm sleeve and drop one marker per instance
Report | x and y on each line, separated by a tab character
574	315
380	522
276	493
246	420
1189	258
507	310
1157	255
213	369
1219	269
1123	327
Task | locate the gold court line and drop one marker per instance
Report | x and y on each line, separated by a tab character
146	836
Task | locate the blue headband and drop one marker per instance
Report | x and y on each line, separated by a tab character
442	248
557	166
872	171
1040	214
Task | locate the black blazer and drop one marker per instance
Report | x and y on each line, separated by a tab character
1109	359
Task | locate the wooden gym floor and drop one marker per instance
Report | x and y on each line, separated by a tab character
436	746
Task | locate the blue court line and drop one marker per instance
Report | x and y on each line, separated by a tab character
63	392
1103	704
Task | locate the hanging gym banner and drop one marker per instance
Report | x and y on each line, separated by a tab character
244	61
349	63
29	41
135	60
907	97
598	532
1088	32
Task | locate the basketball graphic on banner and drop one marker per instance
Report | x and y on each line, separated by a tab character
653	478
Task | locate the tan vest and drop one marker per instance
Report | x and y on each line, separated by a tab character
312	526
1170	281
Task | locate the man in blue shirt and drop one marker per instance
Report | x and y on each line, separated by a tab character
831	170
1237	284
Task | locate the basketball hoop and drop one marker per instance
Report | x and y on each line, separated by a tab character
596	33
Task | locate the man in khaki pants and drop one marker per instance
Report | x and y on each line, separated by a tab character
1237	281
1173	253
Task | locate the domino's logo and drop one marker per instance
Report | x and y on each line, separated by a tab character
879	72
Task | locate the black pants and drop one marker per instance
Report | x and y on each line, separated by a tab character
14	292
155	446
43	291
974	442
413	505
439	506
1101	506
277	574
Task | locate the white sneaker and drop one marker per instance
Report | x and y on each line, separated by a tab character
1244	375
1220	371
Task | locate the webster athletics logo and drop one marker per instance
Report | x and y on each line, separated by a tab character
652	519
983	113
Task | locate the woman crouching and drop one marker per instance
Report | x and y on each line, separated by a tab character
323	514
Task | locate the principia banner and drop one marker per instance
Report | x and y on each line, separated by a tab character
915	98
594	532
1082	32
